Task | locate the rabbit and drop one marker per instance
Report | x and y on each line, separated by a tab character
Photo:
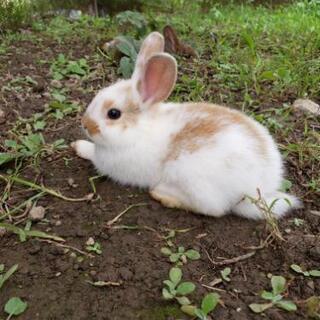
199	157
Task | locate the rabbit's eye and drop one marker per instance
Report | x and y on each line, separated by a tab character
114	114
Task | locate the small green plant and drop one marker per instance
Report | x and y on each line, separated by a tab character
208	304
15	306
275	297
129	47
63	68
94	247
181	256
60	107
130	20
267	211
26	233
225	274
310	273
298	222
4	277
20	84
175	289
29	146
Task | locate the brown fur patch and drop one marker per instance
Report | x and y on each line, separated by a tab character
90	125
209	120
107	104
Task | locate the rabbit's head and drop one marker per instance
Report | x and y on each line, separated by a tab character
118	108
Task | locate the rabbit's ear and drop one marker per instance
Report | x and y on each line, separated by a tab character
152	44
158	79
171	40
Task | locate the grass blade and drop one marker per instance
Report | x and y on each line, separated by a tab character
8	274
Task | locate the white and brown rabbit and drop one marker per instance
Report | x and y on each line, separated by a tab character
195	156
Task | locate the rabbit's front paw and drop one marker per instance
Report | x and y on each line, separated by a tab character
84	149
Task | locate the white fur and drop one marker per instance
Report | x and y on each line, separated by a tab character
214	180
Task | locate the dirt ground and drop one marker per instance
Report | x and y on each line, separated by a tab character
54	281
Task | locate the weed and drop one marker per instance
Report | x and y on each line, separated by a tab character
29	146
60	107
63	68
225	274
25	233
208	304
269	216
132	20
181	255
275	297
15	306
175	289
298	222
19	84
93	246
4	277
310	273
130	48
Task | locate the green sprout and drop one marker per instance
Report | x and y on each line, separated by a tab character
208	304
4	277
275	297
93	246
310	273
175	289
181	256
225	274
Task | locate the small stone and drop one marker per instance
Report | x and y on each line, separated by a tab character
2	116
125	273
287	230
56	84
89	196
58	274
58	223
56	251
315	212
35	248
307	105
37	213
310	284
71	183
3	231
90	242
314	253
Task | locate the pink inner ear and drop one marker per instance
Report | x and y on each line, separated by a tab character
159	78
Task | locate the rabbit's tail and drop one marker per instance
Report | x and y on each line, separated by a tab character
279	203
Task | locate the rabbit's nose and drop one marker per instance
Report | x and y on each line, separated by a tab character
90	125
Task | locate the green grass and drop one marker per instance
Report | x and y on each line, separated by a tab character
260	50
